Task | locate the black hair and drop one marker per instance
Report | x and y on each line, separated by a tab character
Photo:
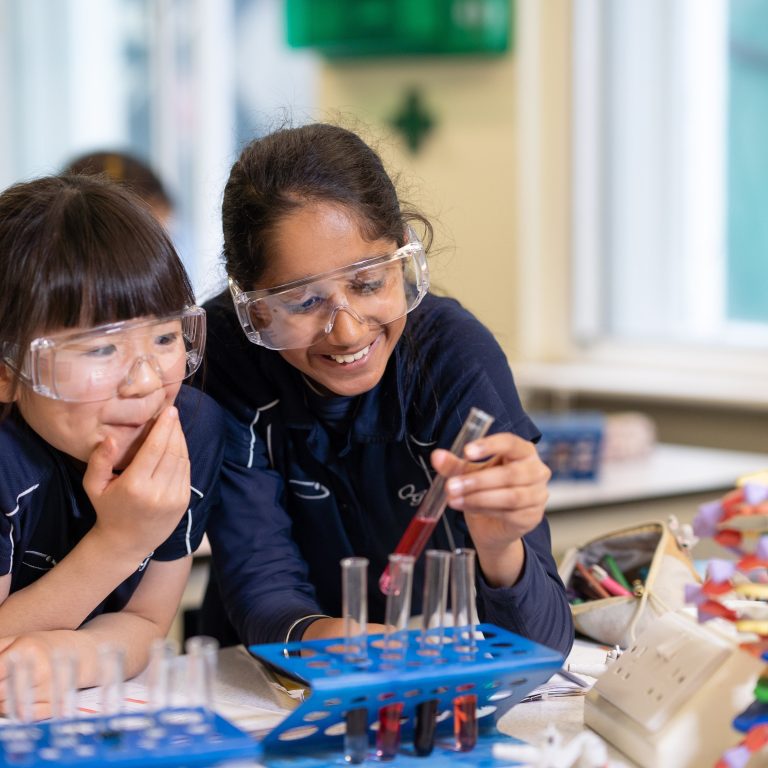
292	167
123	168
78	251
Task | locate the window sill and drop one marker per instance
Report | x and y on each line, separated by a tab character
723	387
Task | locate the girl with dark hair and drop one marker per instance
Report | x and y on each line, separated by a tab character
347	380
108	464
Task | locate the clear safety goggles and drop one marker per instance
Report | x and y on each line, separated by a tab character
374	291
95	364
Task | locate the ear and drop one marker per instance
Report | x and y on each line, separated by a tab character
8	389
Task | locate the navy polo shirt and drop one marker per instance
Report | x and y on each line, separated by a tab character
305	485
44	510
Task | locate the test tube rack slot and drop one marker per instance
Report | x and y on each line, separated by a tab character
500	671
166	737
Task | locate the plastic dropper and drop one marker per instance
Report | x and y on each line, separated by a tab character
432	507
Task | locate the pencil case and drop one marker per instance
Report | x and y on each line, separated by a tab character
653	564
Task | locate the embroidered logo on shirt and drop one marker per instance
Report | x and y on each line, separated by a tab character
38	560
411	495
310	489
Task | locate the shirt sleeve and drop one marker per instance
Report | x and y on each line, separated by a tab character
260	571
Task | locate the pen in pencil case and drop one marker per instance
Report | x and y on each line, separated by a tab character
607	583
593	583
610	565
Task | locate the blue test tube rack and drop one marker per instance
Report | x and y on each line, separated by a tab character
186	736
502	669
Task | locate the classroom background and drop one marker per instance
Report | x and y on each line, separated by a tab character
596	171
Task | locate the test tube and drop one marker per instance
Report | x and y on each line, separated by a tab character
354	596
463	599
398	606
397	613
432	507
20	681
202	656
354	608
435	595
162	654
64	666
112	666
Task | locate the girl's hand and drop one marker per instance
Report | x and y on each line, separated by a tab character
139	508
36	647
502	499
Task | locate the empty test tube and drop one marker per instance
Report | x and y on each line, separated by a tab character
202	656
432	507
20	677
354	597
354	608
435	595
398	606
162	656
112	673
64	666
463	599
397	613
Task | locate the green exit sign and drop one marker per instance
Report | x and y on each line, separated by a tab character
399	27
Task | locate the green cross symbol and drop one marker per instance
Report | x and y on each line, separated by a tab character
413	121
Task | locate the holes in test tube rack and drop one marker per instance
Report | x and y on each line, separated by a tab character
82	728
180	717
413	692
488	709
337	729
489	635
300	732
313	717
386	696
359	699
130	723
319	664
332	702
493	684
12	733
439	690
502	645
299	653
500	695
444	715
464	687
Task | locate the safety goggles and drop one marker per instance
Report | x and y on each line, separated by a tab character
93	365
374	291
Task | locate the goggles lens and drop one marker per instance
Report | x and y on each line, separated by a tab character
93	365
375	291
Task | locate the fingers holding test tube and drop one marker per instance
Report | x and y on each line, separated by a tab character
502	499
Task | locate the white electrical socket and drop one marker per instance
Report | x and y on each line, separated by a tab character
673	658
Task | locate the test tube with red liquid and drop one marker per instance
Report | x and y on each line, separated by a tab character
397	613
463	600
432	507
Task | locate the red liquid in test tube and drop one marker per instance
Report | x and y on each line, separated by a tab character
431	509
465	722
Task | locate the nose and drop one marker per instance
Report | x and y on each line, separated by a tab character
346	327
143	377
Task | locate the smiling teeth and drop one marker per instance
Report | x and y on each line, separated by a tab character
351	358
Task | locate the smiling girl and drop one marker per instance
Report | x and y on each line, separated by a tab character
347	380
